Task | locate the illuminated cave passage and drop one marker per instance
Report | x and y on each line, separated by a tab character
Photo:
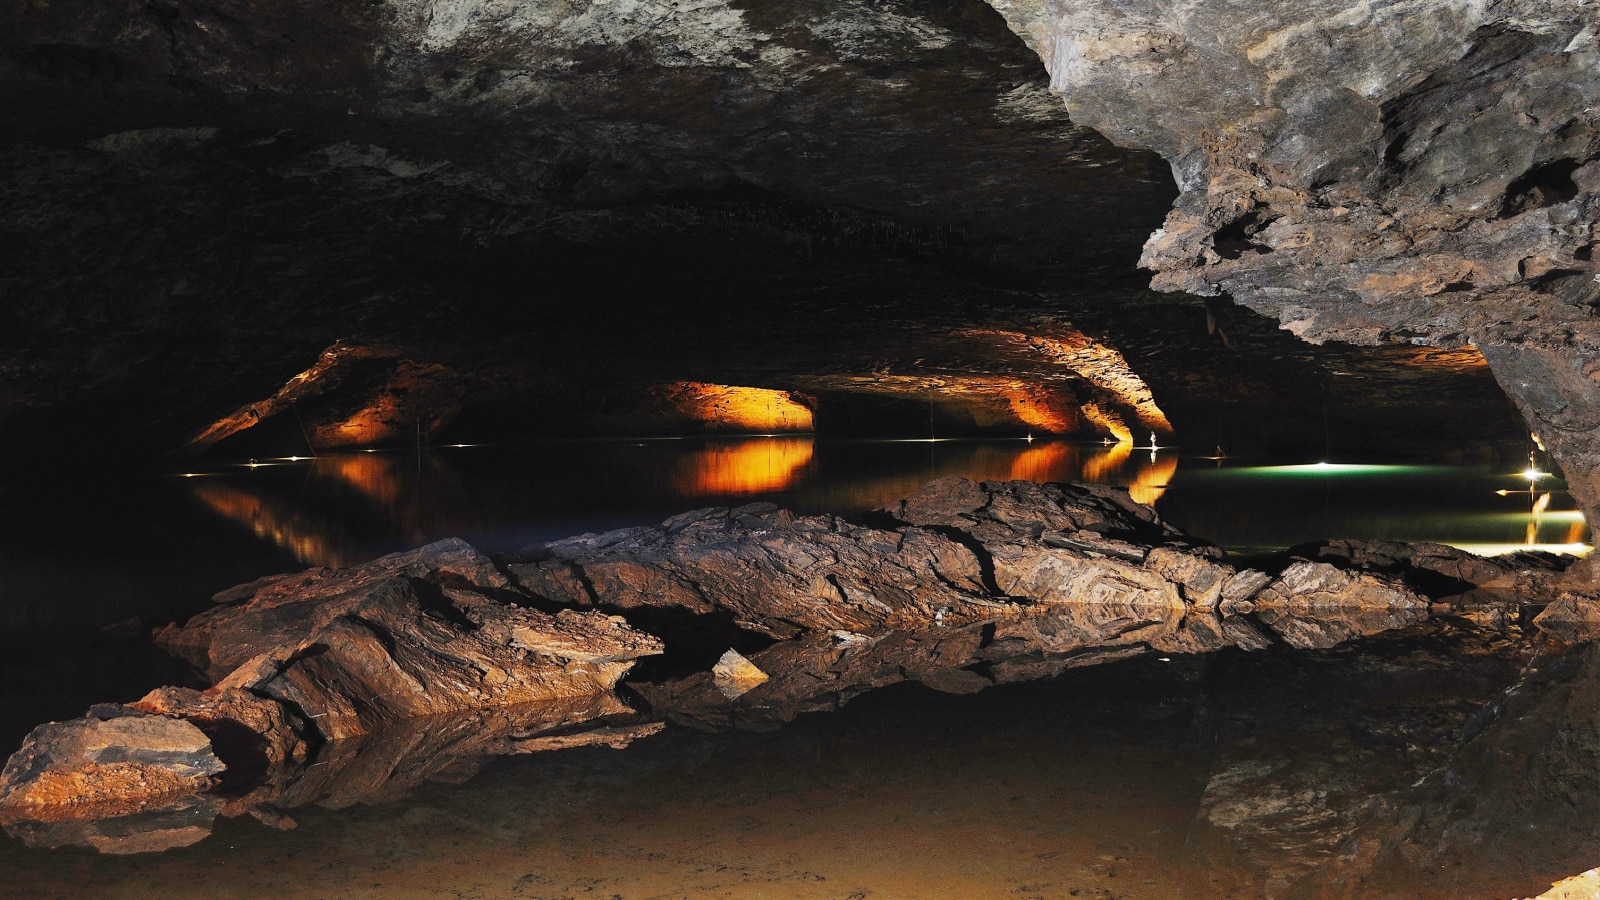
305	284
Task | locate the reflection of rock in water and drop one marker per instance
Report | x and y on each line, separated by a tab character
185	820
418	666
746	467
386	484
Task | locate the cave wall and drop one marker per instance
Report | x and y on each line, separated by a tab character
1421	172
575	201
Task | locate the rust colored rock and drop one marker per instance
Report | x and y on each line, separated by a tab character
1572	617
118	761
734	675
163	825
251	734
385	764
965	552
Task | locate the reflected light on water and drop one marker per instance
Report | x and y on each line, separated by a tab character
307	539
344	508
1327	468
749	467
1151	480
1575	549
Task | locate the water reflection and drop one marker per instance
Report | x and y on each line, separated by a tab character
342	509
746	467
1270	507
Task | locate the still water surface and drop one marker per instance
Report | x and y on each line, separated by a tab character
908	794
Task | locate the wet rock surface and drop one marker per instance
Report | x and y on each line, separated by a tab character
113	758
352	685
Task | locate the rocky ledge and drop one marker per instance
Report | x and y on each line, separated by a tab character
352	684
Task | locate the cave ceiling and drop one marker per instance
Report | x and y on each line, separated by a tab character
577	199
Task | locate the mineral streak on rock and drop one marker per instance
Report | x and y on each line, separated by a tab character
1422	172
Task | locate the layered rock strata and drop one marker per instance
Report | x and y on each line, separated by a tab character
358	682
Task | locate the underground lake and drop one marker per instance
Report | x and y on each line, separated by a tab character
1157	775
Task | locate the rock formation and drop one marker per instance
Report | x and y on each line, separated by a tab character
1418	172
409	635
356	683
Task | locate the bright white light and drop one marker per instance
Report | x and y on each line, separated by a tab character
1533	474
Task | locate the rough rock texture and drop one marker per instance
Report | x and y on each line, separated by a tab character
412	634
879	203
1421	172
113	759
467	178
251	734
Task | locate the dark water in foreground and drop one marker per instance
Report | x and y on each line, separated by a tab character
1085	786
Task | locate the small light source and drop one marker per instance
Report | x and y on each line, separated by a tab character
294	459
1163	659
1533	474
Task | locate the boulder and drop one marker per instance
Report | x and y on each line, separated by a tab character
113	761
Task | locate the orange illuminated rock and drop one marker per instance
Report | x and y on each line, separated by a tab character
722	407
353	396
422	664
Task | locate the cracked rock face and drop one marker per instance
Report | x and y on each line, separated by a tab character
1422	172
